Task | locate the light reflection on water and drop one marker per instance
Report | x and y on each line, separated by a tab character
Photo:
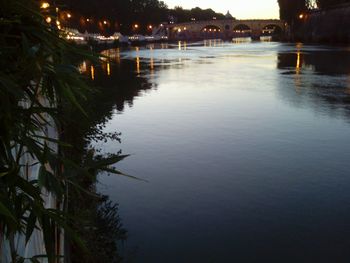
245	148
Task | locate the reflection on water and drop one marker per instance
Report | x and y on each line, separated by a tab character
214	42
320	79
108	69
241	40
244	145
92	72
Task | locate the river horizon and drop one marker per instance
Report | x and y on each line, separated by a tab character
242	147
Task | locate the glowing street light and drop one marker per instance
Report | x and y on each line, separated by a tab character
301	16
136	26
45	5
69	15
150	27
105	22
48	19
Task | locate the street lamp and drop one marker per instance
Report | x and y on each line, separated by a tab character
301	16
45	5
69	15
135	27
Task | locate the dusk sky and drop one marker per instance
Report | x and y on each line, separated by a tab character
238	8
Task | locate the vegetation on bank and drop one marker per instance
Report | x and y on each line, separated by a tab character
290	10
331	28
40	90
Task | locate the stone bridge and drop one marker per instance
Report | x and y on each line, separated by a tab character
225	29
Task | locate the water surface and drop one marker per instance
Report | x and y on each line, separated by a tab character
245	148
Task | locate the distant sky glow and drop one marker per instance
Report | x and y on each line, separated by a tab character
241	9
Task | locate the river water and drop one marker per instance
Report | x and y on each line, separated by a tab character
244	147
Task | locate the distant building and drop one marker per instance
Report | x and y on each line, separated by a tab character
228	15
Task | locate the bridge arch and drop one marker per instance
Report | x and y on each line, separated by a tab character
242	30
271	30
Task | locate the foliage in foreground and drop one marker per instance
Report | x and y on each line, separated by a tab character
37	79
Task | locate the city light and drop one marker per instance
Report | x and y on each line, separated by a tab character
136	26
105	22
69	15
92	72
301	16
45	5
108	69
150	27
48	19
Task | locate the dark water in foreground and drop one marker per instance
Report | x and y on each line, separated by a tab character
245	147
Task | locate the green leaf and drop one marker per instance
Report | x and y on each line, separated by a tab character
4	211
30	225
53	140
69	94
114	171
34	260
43	177
107	161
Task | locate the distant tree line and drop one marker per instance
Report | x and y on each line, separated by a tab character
122	15
183	15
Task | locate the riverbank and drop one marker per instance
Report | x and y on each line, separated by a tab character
330	25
